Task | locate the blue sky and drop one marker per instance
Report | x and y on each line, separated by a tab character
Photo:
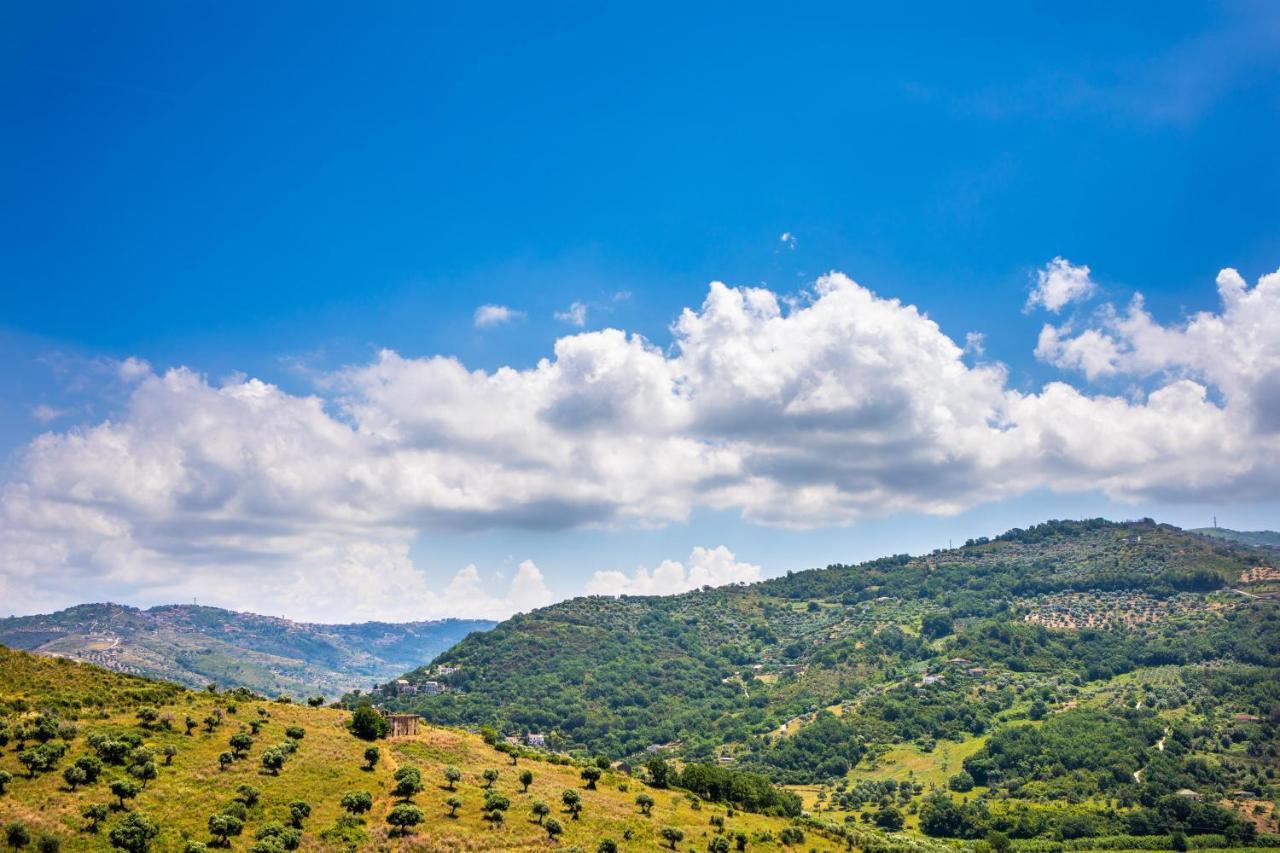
282	193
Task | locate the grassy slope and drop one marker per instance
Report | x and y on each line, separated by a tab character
327	764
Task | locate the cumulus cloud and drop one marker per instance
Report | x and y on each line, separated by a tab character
787	239
495	315
1059	284
842	406
574	315
705	567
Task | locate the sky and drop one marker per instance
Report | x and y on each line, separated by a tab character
458	310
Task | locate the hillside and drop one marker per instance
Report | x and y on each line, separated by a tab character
87	709
1256	538
196	646
905	667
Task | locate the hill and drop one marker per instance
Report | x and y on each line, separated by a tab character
916	668
1256	538
195	646
85	716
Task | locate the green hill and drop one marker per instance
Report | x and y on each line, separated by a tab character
1256	538
196	646
81	714
831	679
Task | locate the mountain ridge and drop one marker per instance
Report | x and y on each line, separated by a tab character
195	645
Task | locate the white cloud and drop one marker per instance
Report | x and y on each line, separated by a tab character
841	407
975	343
706	567
467	596
1059	284
495	315
574	315
45	413
787	239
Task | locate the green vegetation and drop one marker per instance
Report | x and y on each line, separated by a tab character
953	675
327	795
1074	686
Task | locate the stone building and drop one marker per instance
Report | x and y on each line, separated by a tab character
401	724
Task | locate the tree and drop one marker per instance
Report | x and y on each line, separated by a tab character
17	834
223	826
191	724
935	625
276	836
607	845
315	701
125	789
248	795
452	775
740	841
999	841
889	819
454	804
719	844
494	801
298	812
645	802
91	765
144	771
95	813
553	828
295	732
169	752
225	760
273	760
572	802
791	835
371	756
211	722
672	836
961	783
5	778
591	775
404	817
133	834
490	776
526	779
408	782
74	776
240	743
659	772
357	802
368	724
540	810
148	717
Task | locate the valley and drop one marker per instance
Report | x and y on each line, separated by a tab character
196	646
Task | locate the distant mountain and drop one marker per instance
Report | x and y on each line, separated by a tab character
195	646
1256	538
